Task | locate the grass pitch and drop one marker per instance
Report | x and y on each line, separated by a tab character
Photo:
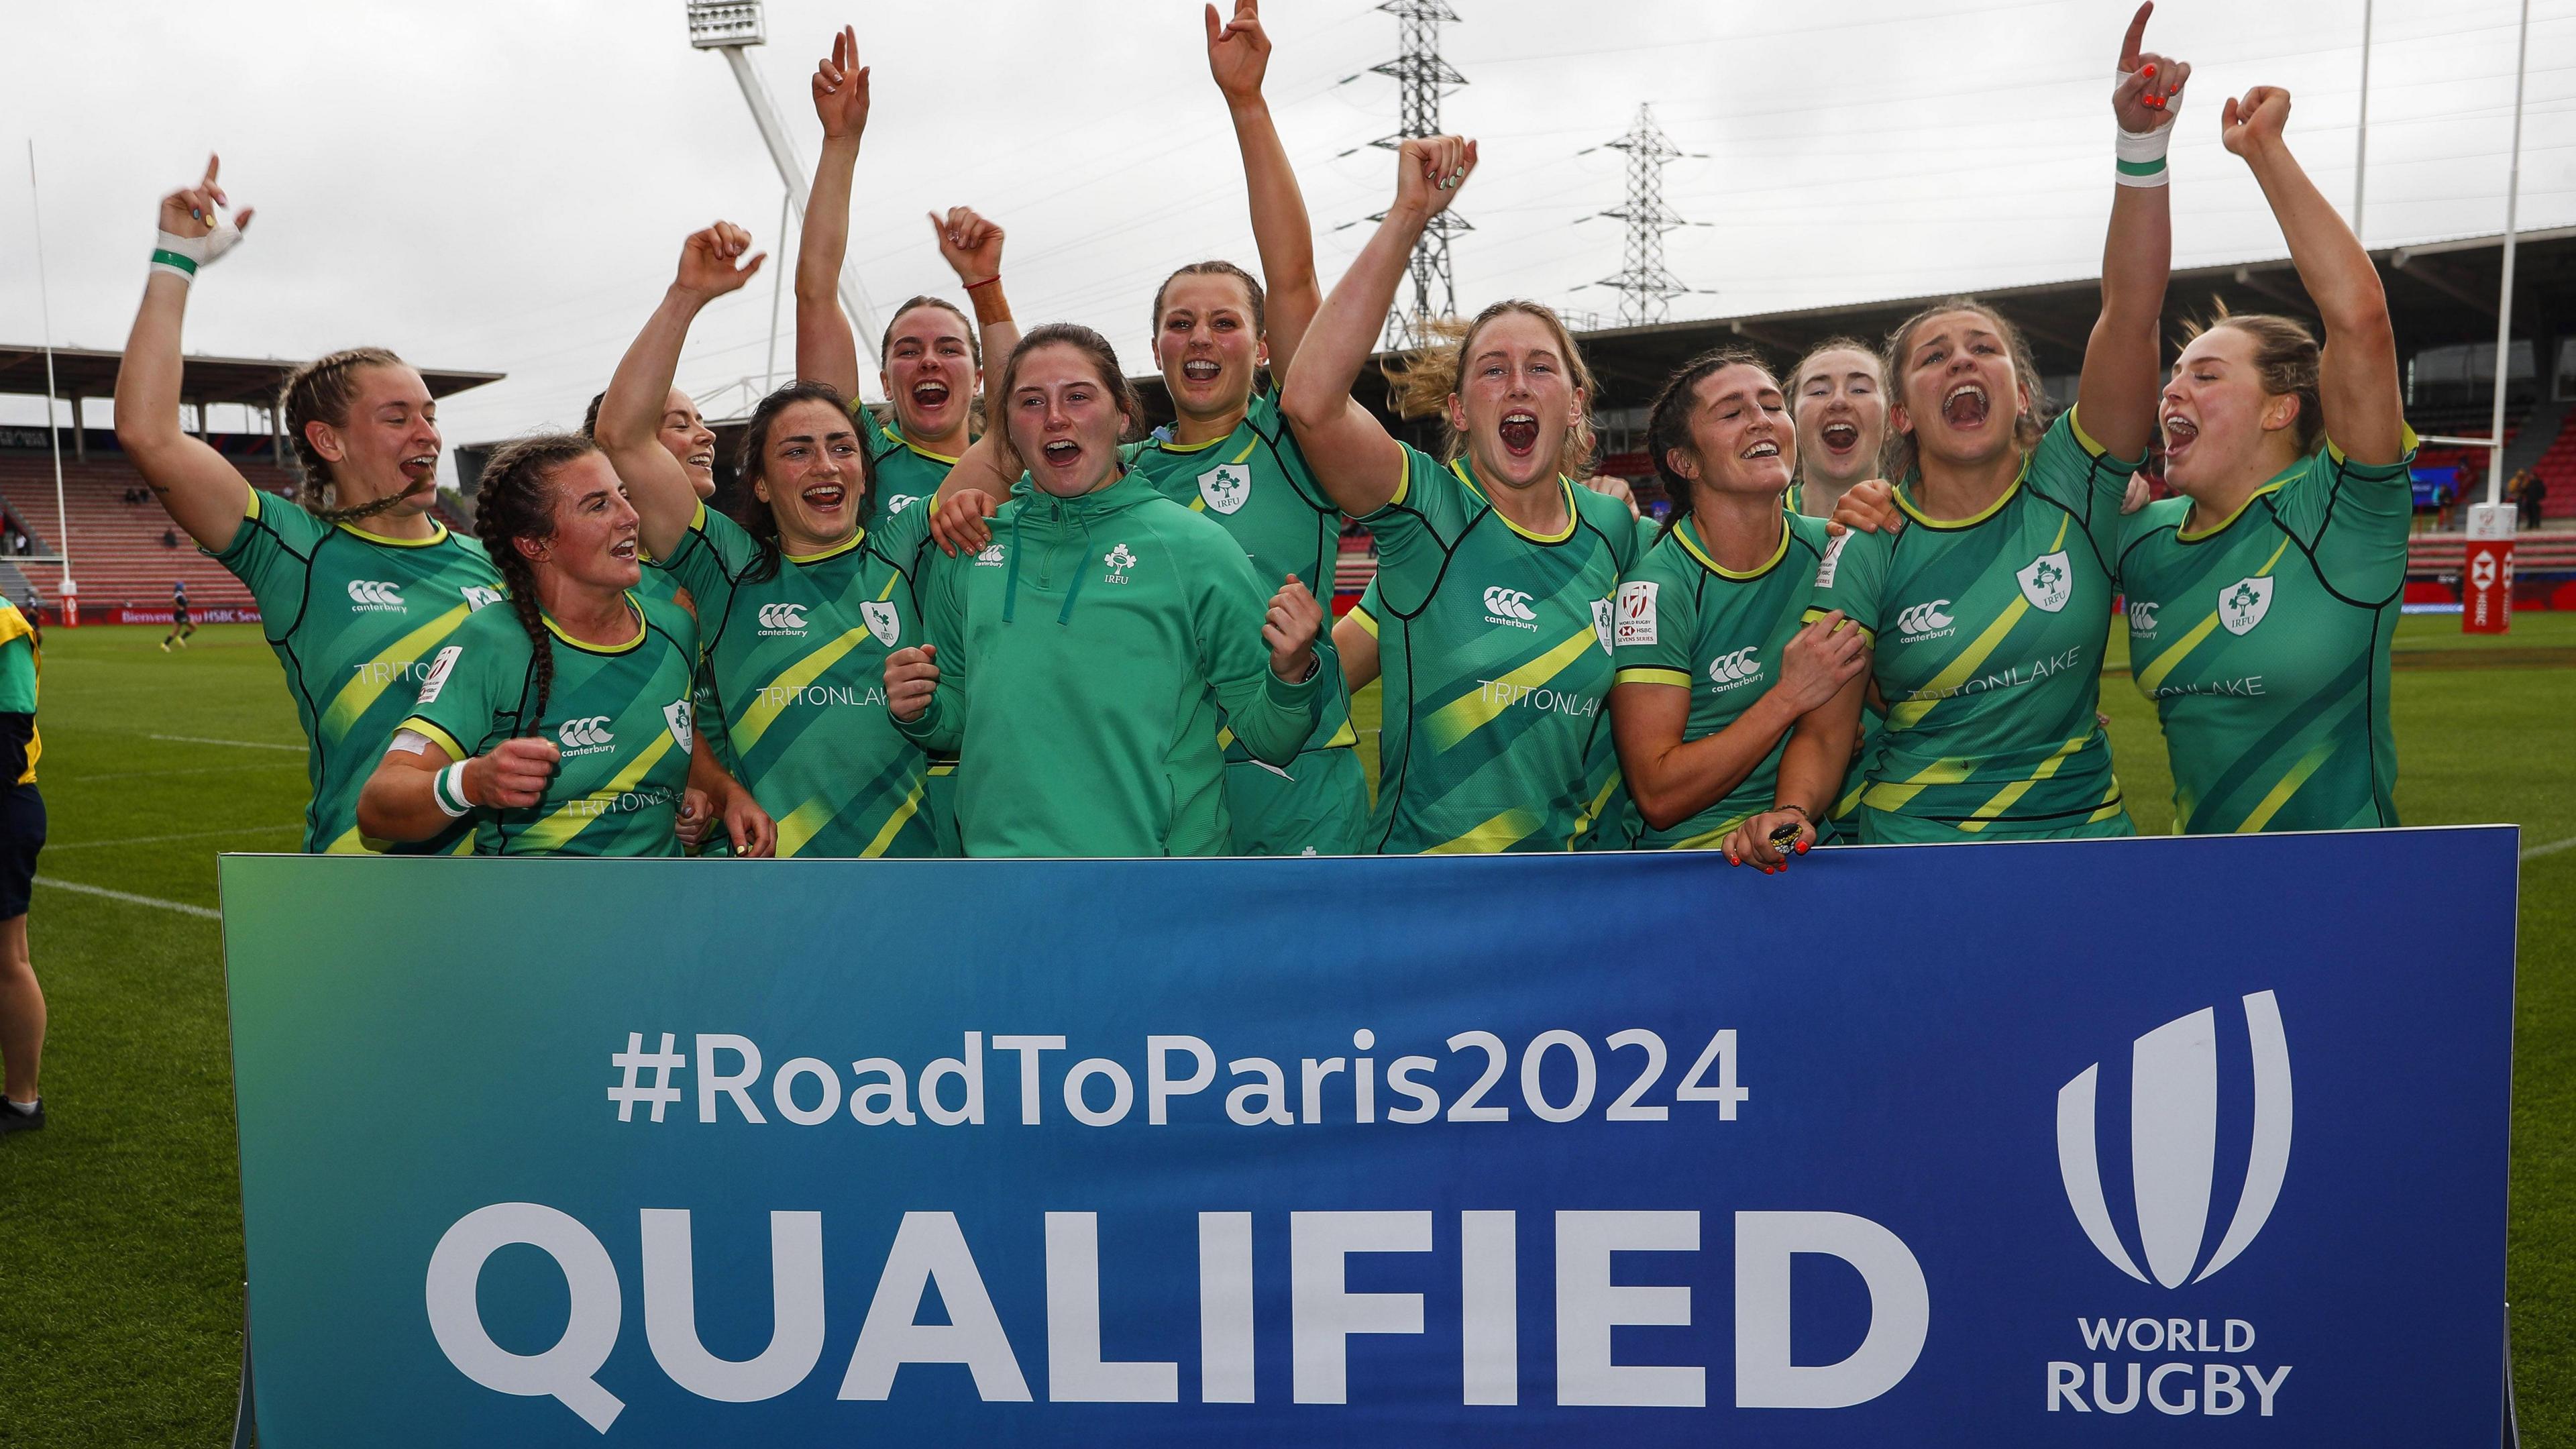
120	1224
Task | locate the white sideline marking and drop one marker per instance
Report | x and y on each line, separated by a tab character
2552	848
181	907
154	839
237	744
192	770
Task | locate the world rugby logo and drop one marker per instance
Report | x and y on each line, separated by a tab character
2173	1144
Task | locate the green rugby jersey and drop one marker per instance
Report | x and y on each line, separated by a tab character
901	473
1987	638
1688	621
2264	644
621	716
354	617
1254	483
1494	646
799	663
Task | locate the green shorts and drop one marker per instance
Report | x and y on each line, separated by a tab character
1884	827
1318	807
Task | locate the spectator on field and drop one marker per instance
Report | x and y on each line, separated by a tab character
2528	497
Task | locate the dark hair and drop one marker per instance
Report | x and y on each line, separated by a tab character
1427	379
1798	374
1668	418
1095	349
590	415
1900	457
751	510
323	391
974	342
516	500
2286	363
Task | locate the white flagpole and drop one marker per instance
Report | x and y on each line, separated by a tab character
45	310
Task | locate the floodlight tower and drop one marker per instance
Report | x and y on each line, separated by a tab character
1424	76
1645	288
733	27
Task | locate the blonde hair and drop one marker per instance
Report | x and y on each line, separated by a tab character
1423	381
324	391
1899	455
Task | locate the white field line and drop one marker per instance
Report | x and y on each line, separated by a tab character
156	839
155	902
237	744
193	770
2552	848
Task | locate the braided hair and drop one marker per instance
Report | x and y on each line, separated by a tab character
1668	419
517	501
753	511
325	390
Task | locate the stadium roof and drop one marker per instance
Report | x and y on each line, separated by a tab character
2439	293
252	381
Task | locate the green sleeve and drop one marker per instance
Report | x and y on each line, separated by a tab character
18	675
943	626
2354	519
1368	608
1274	430
1418	526
1272	716
272	552
1657	618
1851	577
2072	470
472	680
714	556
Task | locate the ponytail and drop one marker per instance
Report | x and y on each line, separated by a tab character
324	391
514	502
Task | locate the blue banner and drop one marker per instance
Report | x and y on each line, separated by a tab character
2148	1141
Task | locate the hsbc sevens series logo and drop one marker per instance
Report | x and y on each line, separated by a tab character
2173	1160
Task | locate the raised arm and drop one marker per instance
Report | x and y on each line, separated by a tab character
1239	56
971	244
204	494
630	414
2364	402
2116	397
1352	454
826	351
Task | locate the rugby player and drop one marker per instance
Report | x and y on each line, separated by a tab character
1496	572
359	588
1079	660
22	837
1838	400
562	724
1720	674
2261	601
181	626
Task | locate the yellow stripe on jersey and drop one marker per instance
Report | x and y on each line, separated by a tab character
349	843
1645	674
1592	811
765	709
1467	714
2199	635
894	822
2110	805
1508	828
1994	808
2280	794
570	818
435	736
1907	715
1868	635
359	694
1710	840
1891	796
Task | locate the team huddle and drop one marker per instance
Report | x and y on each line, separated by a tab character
1876	613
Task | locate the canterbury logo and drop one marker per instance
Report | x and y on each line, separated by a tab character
782	616
1735	668
584	734
1508	603
1922	619
2173	1144
371	593
2142	617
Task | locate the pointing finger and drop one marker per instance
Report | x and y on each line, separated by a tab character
2136	38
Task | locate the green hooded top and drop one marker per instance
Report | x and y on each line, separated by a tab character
1083	656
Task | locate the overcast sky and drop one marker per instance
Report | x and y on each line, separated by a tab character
503	184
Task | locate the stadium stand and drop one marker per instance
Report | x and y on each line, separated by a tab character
119	552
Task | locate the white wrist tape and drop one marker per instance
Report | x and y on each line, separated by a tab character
2141	157
181	256
447	787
